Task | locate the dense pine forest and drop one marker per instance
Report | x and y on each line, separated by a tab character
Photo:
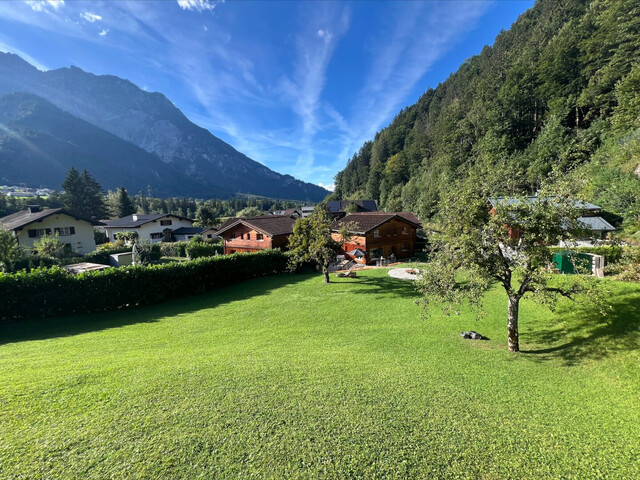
557	93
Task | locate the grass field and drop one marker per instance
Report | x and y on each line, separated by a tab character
286	377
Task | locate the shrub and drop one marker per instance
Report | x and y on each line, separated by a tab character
31	262
147	252
53	291
628	268
126	237
198	250
173	249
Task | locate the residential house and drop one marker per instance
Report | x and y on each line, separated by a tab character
154	227
596	227
376	235
30	225
243	235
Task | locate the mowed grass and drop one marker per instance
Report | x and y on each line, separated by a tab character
285	377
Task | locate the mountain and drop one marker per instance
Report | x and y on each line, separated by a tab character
149	121
558	92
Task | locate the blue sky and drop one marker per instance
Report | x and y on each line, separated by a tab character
297	86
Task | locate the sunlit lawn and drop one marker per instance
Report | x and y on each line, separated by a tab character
286	377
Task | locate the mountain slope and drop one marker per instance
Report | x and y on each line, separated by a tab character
559	91
39	143
151	122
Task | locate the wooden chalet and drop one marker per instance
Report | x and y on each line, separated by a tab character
244	235
377	235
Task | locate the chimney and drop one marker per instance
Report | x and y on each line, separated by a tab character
34	208
134	217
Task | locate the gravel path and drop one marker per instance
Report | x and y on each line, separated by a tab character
402	274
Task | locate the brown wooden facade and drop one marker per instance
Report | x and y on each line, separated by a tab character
396	236
242	236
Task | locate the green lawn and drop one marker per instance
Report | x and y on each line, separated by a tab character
287	377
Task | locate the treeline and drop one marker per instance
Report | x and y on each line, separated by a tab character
558	92
82	195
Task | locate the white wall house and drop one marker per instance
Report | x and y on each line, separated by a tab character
153	227
30	225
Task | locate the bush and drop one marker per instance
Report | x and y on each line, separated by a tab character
173	249
53	291
198	250
628	268
32	262
147	252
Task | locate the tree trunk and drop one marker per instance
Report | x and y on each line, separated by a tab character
325	272
512	324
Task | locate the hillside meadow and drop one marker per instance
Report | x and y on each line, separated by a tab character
285	377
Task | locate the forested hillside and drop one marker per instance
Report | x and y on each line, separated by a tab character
558	91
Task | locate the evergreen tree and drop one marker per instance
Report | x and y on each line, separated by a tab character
120	204
83	195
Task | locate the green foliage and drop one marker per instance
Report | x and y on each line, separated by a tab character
202	249
127	237
83	195
311	241
249	212
627	268
10	251
611	253
49	246
508	245
544	98
120	204
48	292
205	216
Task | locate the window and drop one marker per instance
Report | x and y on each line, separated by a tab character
248	236
63	231
405	231
38	232
233	236
376	234
259	237
209	235
165	222
155	236
242	237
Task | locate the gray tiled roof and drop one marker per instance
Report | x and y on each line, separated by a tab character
25	217
596	223
188	231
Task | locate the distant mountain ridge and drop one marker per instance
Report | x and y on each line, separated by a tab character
150	122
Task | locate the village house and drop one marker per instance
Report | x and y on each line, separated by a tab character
243	235
376	235
30	225
154	227
595	226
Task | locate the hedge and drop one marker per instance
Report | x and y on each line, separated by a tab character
611	253
190	249
48	292
102	256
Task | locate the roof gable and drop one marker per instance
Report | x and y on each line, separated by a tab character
268	224
364	222
25	217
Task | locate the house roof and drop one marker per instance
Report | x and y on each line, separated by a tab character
596	223
135	220
271	225
495	201
364	222
23	218
356	252
336	206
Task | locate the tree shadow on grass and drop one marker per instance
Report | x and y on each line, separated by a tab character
586	334
383	286
63	326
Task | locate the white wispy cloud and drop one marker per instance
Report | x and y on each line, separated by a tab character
91	17
103	32
40	5
198	5
423	33
331	187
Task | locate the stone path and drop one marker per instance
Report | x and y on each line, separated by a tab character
402	273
